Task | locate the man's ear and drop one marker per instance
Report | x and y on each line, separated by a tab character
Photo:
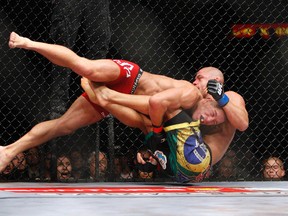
219	79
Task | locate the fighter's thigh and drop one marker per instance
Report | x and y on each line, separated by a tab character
81	113
103	70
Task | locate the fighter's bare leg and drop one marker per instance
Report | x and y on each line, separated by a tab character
101	70
124	114
80	114
105	96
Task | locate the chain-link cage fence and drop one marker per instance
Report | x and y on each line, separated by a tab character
247	40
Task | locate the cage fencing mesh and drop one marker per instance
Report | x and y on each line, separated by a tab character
247	40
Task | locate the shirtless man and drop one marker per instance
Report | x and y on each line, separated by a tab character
120	75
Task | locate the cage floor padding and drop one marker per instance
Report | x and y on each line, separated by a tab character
207	198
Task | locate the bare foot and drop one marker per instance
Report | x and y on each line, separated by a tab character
97	93
101	92
87	88
4	158
16	41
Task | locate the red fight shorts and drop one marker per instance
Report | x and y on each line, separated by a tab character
127	82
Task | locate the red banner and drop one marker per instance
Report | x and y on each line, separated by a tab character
265	30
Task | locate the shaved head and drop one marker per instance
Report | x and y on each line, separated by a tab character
204	75
212	73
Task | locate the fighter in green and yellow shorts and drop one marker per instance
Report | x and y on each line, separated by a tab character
189	158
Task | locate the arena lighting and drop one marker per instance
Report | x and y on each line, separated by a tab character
264	30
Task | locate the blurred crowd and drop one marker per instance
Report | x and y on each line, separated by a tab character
141	165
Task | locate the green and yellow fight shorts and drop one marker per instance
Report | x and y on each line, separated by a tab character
190	158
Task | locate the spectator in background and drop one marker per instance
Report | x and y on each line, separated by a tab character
79	166
273	169
20	166
229	167
64	168
127	171
117	167
47	166
146	164
20	161
33	161
102	164
122	171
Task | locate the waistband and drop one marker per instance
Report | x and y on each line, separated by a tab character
136	80
182	125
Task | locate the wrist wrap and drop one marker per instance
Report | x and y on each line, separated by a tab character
223	101
157	129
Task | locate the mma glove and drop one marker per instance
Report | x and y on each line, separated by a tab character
216	89
158	137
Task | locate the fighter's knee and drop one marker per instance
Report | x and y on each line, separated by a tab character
82	66
155	103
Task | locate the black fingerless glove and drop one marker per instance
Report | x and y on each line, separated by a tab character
158	137
216	89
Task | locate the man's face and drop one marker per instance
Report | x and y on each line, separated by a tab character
77	160
201	80
102	165
204	75
227	168
273	169
208	112
33	156
19	161
64	168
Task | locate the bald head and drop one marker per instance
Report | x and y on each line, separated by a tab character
212	72
204	75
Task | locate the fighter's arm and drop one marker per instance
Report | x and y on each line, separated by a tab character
236	112
232	103
219	142
171	100
130	117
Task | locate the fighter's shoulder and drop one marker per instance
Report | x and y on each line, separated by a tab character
235	96
174	82
183	83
